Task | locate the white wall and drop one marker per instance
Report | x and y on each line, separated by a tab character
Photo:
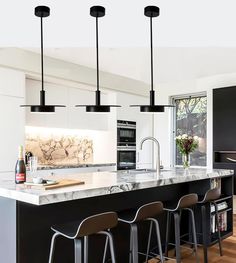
162	121
12	84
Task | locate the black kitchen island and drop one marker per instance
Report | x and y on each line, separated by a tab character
27	214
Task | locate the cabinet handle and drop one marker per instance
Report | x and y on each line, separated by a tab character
137	156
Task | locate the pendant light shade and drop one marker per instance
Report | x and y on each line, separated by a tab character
97	11
151	11
42	11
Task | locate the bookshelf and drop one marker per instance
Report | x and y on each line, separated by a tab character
225	208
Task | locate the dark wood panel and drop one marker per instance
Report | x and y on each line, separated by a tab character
224	127
224	116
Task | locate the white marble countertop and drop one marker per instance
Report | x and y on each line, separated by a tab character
102	183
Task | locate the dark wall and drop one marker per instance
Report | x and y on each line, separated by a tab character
224	128
224	119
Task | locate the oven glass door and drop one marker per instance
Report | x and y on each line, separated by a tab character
126	160
126	135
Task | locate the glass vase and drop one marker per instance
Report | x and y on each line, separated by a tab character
186	160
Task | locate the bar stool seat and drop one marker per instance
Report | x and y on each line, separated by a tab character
81	229
210	197
186	202
146	212
68	229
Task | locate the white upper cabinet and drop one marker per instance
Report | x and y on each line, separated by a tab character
69	117
11	132
79	118
54	95
12	117
12	83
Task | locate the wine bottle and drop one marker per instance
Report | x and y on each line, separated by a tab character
20	170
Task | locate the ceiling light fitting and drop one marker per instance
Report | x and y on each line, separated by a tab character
151	11
97	11
42	11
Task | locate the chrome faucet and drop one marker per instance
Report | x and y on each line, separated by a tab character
158	151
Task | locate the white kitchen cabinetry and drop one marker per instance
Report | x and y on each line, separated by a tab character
12	83
11	132
11	117
69	117
78	118
144	126
55	95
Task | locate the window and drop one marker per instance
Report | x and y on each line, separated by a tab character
190	117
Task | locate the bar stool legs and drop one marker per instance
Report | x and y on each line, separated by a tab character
109	239
52	248
204	231
176	216
193	232
158	236
168	225
78	250
134	242
85	249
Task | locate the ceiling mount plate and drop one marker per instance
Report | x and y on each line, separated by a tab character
97	11
42	11
151	11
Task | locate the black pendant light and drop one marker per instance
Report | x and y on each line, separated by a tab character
97	11
42	11
151	11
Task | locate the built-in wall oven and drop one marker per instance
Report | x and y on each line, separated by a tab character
126	132
126	145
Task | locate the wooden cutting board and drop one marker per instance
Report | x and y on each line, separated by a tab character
59	184
63	183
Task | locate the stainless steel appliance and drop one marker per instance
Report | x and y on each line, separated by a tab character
126	157
126	132
126	145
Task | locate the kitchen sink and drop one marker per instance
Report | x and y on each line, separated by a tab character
137	171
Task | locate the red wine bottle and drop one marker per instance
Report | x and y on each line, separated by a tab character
20	170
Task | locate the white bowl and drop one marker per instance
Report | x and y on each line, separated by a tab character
37	180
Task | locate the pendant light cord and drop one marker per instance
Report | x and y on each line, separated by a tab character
97	54
151	53
42	69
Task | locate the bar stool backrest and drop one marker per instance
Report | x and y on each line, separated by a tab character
187	201
148	210
212	194
96	223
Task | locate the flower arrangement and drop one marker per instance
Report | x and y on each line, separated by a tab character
186	144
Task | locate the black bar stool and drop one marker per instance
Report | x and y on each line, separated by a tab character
80	230
186	202
146	212
209	198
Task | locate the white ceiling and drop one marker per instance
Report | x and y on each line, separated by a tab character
170	64
181	23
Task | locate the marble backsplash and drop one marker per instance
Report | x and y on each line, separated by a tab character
60	149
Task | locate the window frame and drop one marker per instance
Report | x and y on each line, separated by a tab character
173	125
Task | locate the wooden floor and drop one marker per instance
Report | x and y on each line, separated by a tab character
229	252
